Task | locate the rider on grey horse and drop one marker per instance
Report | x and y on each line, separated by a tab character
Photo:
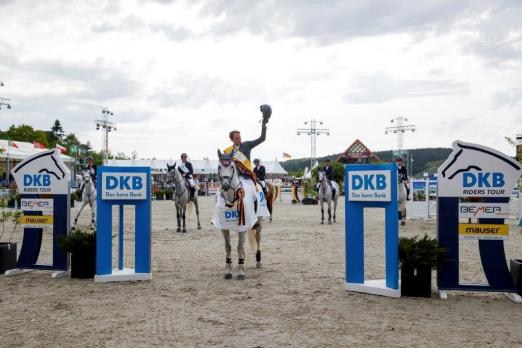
186	170
403	176
328	171
260	172
91	168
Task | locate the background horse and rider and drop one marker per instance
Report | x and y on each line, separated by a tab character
88	196
182	197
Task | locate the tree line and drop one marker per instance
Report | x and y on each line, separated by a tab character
425	160
53	137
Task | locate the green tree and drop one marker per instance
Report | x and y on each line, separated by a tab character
22	132
41	137
56	134
71	143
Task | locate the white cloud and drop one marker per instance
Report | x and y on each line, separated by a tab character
179	75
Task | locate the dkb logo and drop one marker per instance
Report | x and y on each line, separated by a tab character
37	180
481	179
122	182
369	182
231	215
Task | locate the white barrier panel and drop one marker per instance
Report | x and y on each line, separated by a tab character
418	206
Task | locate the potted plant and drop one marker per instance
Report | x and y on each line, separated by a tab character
8	249
82	247
417	258
168	194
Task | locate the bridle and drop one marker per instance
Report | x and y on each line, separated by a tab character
236	190
322	181
178	180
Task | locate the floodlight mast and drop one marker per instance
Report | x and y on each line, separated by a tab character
313	132
106	126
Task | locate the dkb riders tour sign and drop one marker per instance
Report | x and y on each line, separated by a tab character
474	188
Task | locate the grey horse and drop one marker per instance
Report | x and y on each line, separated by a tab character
182	197
88	197
327	195
230	186
401	197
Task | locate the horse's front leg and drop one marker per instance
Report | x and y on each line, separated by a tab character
84	203
228	251
183	211
322	211
92	204
178	217
334	209
329	212
258	228
197	211
241	256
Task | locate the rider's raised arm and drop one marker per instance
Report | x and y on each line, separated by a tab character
254	143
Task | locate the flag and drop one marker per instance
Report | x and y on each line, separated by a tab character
62	149
12	144
286	156
37	145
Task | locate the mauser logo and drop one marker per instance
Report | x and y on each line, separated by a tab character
483	231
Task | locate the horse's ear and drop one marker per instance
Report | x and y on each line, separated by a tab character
219	154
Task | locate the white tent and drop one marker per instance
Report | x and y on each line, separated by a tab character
20	150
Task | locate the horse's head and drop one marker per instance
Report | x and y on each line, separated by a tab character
322	176
86	177
226	170
172	172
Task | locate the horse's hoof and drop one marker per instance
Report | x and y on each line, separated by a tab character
228	275
199	227
322	222
178	229
403	223
259	264
184	230
241	277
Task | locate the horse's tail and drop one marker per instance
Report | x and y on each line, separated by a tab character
251	236
189	210
276	192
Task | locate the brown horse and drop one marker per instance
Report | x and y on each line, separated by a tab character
272	193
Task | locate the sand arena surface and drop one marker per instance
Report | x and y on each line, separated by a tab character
297	299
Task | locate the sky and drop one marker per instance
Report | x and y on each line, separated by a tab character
179	75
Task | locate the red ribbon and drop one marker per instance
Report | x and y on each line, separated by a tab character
241	206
